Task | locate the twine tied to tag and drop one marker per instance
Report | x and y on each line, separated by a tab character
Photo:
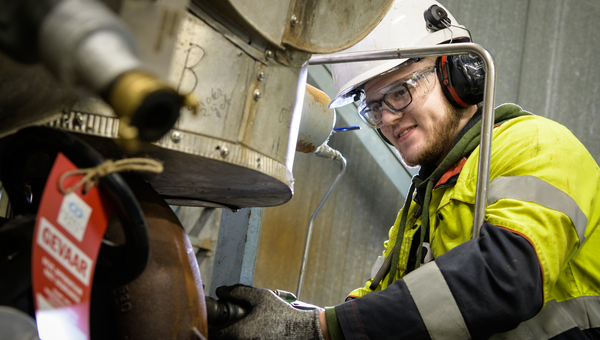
92	176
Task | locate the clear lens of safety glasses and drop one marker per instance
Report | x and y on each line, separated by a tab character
397	96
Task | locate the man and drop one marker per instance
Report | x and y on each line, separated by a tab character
532	274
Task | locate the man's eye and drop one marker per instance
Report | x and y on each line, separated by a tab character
375	106
400	94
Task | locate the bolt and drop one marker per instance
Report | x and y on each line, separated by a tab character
79	119
224	152
268	54
294	20
256	94
261	75
176	136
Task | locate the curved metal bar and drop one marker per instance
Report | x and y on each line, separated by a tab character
327	152
489	97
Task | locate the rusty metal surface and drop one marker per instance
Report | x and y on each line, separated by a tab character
305	147
317	120
331	26
167	300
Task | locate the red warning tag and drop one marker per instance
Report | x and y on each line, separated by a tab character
67	237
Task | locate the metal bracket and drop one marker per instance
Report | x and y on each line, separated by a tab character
237	247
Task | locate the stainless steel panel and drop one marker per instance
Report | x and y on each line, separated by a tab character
218	73
234	152
270	116
266	19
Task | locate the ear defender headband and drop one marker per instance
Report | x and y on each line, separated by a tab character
462	78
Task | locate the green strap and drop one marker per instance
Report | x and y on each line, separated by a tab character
400	235
424	222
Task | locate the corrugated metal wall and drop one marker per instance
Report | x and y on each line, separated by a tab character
547	55
548	62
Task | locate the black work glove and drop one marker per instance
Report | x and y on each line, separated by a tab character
270	317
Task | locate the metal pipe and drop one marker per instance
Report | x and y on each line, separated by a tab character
324	151
489	94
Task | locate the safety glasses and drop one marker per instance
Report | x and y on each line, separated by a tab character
398	96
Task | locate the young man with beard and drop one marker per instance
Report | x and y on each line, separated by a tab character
533	273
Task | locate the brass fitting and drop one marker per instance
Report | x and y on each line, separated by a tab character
147	108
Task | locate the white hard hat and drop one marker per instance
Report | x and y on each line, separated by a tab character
408	23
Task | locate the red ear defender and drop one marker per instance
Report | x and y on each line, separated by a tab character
462	78
449	89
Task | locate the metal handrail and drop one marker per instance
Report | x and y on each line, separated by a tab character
489	94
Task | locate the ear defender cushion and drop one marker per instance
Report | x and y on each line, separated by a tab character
462	78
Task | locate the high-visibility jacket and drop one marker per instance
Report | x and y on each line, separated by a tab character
534	273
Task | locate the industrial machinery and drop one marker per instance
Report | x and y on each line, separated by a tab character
213	90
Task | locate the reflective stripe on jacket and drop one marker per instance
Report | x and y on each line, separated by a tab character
545	187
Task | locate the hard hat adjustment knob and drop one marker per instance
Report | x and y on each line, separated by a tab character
436	18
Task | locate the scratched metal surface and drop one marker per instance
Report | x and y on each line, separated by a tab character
307	25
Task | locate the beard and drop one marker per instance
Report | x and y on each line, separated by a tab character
438	143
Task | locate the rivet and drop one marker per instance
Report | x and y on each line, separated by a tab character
224	152
176	136
269	54
256	94
261	75
79	119
294	20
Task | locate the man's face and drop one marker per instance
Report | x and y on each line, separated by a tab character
424	134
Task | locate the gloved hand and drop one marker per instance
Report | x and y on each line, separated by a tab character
271	318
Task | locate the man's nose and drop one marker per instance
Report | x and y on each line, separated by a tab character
389	117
